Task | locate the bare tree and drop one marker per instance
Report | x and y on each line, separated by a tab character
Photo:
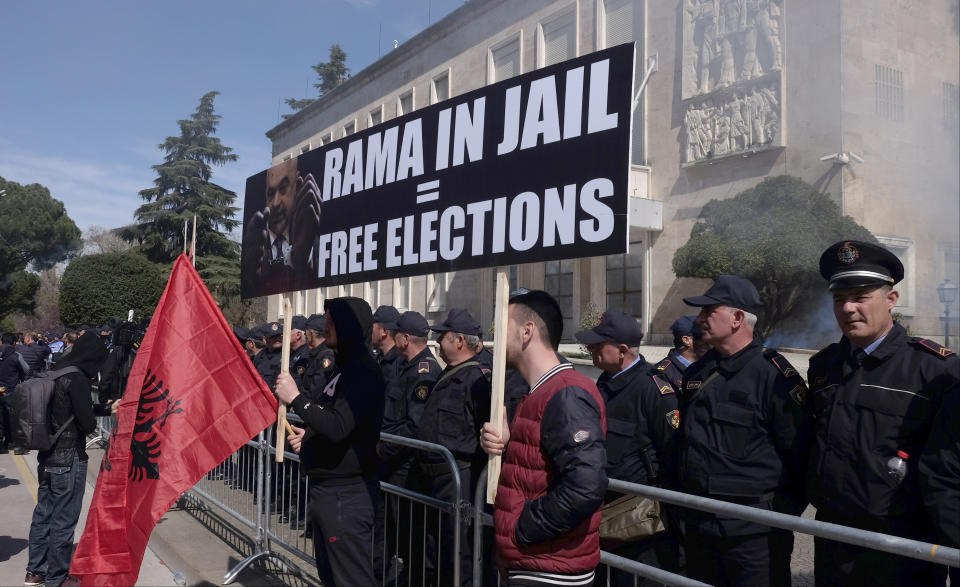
97	240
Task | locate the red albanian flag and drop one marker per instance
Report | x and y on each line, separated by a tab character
193	398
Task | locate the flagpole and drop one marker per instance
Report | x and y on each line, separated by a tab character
185	233
284	369
193	243
502	299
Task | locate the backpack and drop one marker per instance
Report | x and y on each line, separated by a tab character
31	406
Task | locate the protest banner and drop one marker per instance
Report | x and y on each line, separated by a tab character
533	168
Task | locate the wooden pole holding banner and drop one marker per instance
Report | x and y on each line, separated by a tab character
282	424
502	299
193	243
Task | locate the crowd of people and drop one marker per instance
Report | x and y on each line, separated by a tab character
870	438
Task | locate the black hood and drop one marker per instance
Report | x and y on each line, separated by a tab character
353	321
88	354
6	350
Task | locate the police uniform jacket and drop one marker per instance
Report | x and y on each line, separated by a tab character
745	435
417	378
671	369
453	414
391	365
640	423
267	363
299	361
867	408
322	362
940	472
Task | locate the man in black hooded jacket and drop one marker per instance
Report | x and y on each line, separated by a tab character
339	446
62	470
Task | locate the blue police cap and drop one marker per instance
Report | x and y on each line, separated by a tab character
271	329
458	320
614	326
386	317
857	264
316	322
242	333
413	323
686	326
729	290
298	323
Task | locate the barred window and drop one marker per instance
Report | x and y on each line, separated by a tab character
889	88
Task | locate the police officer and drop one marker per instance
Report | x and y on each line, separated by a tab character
268	360
419	372
641	426
745	429
875	394
322	359
940	475
688	346
381	339
300	351
453	416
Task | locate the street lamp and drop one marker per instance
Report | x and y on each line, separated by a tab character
948	293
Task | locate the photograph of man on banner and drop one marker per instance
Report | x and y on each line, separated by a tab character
279	241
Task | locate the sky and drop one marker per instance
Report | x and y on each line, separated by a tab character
89	89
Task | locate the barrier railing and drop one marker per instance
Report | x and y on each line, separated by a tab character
273	500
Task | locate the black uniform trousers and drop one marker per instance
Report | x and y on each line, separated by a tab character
343	517
437	562
837	563
752	560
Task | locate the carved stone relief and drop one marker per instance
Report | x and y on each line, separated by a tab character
729	41
744	118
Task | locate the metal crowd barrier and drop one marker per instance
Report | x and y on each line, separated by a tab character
892	544
273	499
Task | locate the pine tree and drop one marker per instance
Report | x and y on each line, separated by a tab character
330	74
183	189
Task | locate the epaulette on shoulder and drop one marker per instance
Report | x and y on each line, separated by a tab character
932	347
780	362
663	364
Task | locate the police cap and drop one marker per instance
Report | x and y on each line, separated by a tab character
686	326
729	290
458	320
545	306
858	264
413	323
386	317
271	329
298	323
316	322
614	326
242	333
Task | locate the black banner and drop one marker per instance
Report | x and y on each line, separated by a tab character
534	168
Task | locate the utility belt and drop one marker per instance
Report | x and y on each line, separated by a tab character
437	469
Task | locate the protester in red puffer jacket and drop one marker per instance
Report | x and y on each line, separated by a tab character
553	480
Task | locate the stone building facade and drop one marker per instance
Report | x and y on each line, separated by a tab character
738	90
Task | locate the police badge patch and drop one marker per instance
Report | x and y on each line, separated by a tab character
673	418
301	369
847	253
799	394
423	367
326	362
422	392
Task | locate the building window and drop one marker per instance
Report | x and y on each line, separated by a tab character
304	148
287	157
405	103
889	88
401	293
557	38
558	282
375	116
625	281
617	22
349	128
904	250
328	138
504	60
437	284
440	88
951	106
